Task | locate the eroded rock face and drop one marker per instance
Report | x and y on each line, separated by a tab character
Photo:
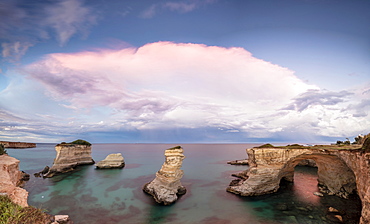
111	161
359	162
340	172
68	157
18	145
10	179
166	187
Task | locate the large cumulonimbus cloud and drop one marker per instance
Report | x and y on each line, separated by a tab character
166	85
203	85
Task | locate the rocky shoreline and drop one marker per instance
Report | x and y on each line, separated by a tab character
18	145
341	172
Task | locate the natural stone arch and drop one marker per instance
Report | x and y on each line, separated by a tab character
333	173
269	165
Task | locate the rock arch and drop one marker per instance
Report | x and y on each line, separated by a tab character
341	171
333	173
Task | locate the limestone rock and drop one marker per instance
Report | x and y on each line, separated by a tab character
238	162
10	179
68	157
307	162
18	145
62	219
166	186
340	172
111	161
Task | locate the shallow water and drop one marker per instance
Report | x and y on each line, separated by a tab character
96	196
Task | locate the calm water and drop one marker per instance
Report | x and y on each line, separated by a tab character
96	196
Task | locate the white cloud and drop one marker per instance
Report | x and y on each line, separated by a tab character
179	6
14	51
188	85
69	17
22	27
166	85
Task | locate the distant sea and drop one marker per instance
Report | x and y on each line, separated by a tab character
94	196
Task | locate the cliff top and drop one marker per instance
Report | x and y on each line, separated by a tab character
329	147
76	142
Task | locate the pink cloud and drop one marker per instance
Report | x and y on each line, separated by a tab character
166	80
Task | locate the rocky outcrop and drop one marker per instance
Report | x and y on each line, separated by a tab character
18	145
359	163
68	157
10	179
111	161
340	172
238	162
166	187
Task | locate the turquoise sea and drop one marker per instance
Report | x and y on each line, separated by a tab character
94	196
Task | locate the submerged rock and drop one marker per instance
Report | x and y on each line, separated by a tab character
166	187
111	161
68	157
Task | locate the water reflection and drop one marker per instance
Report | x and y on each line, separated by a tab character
305	184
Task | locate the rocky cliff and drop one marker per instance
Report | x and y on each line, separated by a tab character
166	187
340	172
10	179
68	157
111	161
17	145
359	163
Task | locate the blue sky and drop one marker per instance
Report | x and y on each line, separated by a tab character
184	71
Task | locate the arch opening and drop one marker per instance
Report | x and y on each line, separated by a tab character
318	181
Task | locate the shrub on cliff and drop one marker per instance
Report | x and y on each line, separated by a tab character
2	150
12	213
81	142
268	145
366	145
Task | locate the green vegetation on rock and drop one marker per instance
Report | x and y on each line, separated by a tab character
81	142
176	147
366	145
11	213
268	145
2	150
76	142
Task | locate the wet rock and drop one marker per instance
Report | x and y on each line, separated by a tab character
331	209
238	162
25	176
62	219
282	207
41	173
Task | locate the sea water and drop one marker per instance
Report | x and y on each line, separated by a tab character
98	196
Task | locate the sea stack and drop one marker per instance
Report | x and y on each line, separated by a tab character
10	179
69	156
111	161
166	187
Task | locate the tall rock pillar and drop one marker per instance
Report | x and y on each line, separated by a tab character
166	187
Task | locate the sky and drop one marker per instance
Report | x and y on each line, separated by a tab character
201	71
